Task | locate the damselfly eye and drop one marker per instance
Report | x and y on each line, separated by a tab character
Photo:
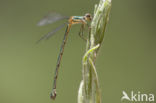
88	16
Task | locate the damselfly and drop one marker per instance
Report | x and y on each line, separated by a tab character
53	17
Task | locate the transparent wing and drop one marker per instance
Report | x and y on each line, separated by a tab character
48	35
51	18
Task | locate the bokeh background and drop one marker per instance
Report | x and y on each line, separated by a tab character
126	61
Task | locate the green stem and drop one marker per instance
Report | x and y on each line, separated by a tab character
89	91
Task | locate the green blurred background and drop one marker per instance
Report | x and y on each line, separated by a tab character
126	61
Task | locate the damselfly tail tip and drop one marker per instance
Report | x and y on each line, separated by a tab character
53	94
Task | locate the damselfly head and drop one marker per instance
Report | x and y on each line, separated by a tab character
88	17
